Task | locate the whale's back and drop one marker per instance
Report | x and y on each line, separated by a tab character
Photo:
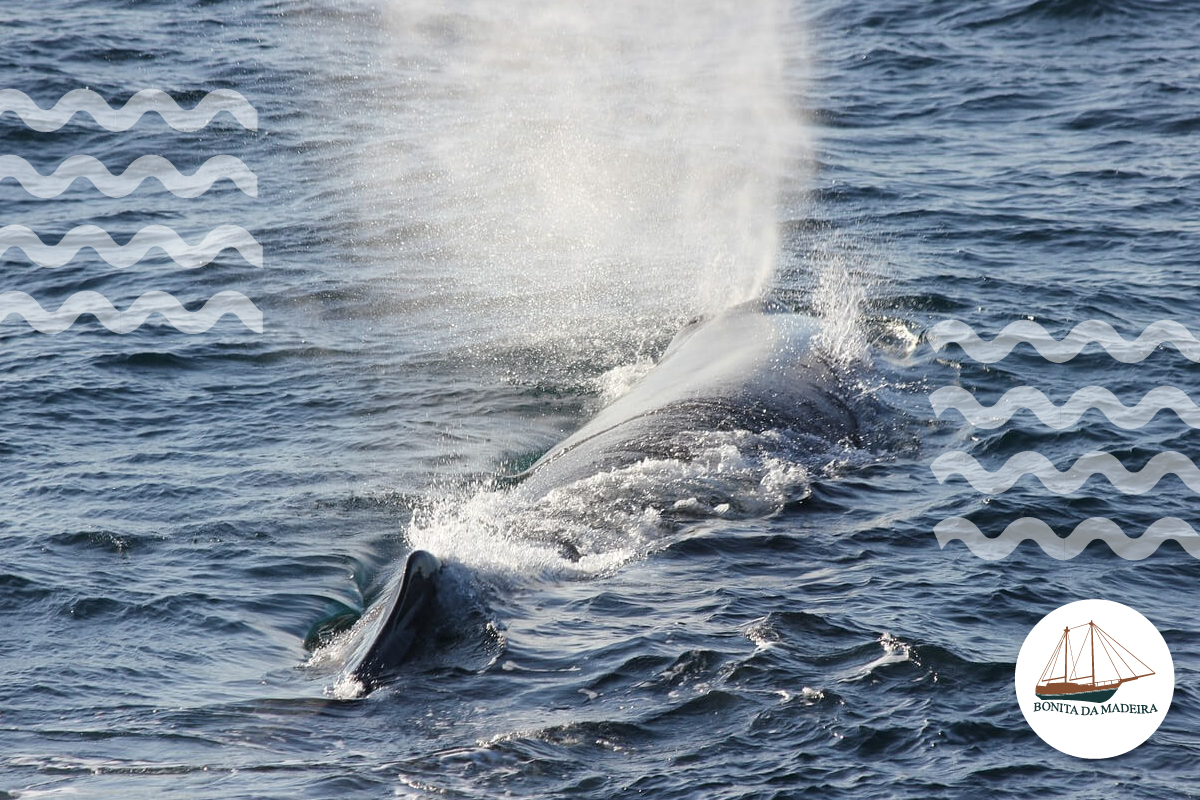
743	370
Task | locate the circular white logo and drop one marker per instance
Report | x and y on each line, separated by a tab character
1094	679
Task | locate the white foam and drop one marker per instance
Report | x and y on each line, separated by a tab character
596	524
617	382
838	302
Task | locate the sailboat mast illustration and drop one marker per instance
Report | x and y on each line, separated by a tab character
1070	685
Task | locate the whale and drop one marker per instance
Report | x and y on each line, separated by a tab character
752	368
749	369
408	605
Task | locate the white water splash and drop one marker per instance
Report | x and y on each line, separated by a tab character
838	302
616	382
597	524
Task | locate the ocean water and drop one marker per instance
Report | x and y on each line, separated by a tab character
481	223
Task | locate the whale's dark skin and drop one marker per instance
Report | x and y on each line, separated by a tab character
742	370
408	609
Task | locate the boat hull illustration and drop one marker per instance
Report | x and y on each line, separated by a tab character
1078	692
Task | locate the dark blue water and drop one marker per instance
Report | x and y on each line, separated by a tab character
480	225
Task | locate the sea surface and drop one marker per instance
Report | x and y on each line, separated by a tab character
481	222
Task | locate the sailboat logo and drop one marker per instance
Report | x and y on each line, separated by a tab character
1091	671
1094	678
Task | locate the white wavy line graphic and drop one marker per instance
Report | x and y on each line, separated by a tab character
187	256
1059	351
147	100
1066	415
1102	528
144	167
1070	480
163	303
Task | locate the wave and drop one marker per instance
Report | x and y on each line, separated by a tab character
1059	351
147	100
149	303
1102	528
187	256
1059	417
80	166
1070	480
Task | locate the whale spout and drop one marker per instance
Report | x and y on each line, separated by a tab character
405	614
